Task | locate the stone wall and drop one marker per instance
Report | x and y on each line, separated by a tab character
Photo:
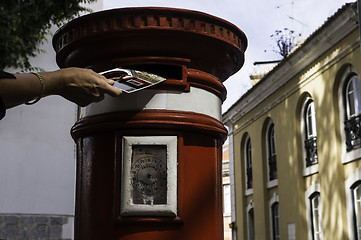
29	227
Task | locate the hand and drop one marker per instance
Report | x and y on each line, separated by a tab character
81	86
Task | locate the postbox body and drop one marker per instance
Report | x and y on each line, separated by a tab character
149	163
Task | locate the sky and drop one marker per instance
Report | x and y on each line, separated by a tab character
258	19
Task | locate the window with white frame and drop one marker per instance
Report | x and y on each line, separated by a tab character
352	94
271	146
250	224
356	199
248	158
349	105
353	203
310	133
309	136
352	110
274	217
275	222
316	217
314	212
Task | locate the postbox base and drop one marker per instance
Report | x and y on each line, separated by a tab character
99	173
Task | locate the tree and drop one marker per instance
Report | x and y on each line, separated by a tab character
25	23
285	41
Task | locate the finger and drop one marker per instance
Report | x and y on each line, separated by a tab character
110	81
101	77
112	91
106	85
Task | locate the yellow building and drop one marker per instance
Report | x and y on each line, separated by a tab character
295	141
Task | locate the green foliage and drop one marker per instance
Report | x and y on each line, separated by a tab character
24	24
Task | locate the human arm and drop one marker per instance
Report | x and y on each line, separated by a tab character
81	86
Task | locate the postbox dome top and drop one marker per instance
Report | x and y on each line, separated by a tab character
108	38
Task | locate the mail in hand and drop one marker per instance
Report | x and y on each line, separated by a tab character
129	80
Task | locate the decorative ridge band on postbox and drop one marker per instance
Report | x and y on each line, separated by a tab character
98	39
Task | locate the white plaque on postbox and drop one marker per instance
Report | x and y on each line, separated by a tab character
149	176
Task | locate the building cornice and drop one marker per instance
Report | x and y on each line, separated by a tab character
334	30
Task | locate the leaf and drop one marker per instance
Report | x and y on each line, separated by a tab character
25	24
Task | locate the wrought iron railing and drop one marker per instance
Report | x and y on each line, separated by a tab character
272	163
311	151
353	133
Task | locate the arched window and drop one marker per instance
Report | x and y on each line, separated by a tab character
353	203
250	224
316	217
314	212
275	222
274	218
356	199
352	111
310	133
310	119
352	94
272	163
248	158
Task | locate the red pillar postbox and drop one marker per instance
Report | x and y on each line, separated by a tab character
149	163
